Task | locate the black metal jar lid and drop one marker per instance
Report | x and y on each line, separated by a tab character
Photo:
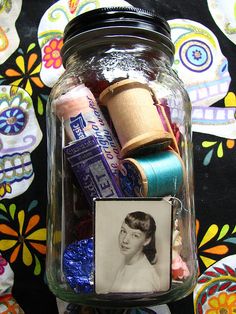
127	21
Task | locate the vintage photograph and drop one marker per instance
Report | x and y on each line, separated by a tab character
132	245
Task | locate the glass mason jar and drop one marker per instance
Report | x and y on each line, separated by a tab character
121	224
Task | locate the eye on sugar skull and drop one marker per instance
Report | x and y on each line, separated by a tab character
199	62
20	134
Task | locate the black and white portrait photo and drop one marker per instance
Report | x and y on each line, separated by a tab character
132	245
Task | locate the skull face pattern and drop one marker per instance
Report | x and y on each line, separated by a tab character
20	134
199	62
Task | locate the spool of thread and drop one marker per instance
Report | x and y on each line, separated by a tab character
156	175
134	116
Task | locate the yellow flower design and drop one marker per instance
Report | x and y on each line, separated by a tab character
27	73
224	303
207	250
24	238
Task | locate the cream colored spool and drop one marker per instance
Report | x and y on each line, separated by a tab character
134	116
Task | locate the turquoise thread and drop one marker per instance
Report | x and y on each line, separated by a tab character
164	172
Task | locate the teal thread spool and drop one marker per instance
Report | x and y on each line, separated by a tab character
160	174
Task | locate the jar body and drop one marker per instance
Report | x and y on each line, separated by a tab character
119	143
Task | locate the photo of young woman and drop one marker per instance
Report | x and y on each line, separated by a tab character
133	245
138	247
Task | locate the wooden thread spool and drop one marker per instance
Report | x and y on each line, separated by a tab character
134	116
155	175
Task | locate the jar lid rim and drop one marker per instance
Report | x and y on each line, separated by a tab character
108	18
116	14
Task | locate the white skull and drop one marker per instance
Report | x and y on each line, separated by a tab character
199	62
51	28
9	39
20	134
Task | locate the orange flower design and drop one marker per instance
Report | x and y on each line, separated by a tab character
52	57
207	251
26	74
223	303
23	238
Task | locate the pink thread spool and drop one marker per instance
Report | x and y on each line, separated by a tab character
134	116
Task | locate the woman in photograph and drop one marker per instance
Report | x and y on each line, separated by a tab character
137	245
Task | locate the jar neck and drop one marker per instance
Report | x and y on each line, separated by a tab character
152	52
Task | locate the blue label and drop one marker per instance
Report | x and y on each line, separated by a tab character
77	125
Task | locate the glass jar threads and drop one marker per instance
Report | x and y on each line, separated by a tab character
120	174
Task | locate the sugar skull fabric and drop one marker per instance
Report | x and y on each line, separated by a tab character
31	37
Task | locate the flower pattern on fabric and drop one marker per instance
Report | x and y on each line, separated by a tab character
12	121
222	304
26	238
220	146
13	115
216	146
209	251
52	56
26	73
3	263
